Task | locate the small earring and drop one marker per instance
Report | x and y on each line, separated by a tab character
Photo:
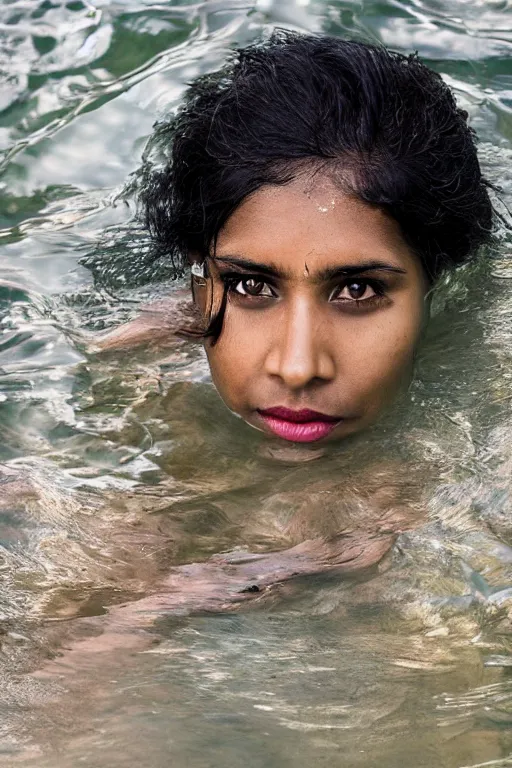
197	269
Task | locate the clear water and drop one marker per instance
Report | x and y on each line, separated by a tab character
121	471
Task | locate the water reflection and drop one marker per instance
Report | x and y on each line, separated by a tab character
174	584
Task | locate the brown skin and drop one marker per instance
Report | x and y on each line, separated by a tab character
224	583
343	346
304	339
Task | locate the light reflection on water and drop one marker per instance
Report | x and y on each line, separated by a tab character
120	471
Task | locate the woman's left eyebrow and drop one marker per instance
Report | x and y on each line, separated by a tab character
331	273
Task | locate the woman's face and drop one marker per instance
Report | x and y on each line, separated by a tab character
325	307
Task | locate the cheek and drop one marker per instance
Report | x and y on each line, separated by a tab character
236	358
382	356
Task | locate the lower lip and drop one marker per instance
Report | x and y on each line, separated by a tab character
306	432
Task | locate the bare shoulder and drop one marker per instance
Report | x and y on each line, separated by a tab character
156	326
16	487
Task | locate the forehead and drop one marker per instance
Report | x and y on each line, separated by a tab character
310	221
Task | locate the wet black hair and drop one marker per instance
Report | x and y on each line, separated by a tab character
384	126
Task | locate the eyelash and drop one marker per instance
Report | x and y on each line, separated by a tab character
378	286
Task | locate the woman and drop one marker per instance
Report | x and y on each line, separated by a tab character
316	189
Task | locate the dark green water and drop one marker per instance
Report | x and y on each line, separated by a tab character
118	471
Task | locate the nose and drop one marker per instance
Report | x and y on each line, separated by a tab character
300	352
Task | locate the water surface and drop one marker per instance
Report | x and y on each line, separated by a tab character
120	471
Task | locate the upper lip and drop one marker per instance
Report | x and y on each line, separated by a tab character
298	417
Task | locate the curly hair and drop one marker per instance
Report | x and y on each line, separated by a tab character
384	126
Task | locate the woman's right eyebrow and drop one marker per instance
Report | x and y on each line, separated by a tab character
247	265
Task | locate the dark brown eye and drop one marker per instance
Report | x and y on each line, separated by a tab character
252	287
355	290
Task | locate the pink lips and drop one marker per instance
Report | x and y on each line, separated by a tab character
302	426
